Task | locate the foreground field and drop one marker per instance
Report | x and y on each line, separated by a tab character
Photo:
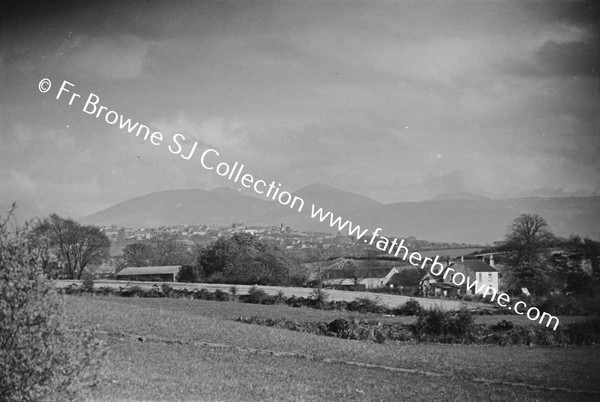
163	349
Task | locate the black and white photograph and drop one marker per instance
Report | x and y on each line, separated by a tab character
278	200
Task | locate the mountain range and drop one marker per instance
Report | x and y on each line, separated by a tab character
458	217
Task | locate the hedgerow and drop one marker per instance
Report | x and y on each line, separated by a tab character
431	326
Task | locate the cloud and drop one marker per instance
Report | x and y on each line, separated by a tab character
109	58
573	58
558	59
216	132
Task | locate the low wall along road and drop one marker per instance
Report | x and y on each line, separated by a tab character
341	295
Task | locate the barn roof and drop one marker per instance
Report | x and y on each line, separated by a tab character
167	269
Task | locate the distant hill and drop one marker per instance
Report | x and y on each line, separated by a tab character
459	196
331	198
460	217
483	220
179	207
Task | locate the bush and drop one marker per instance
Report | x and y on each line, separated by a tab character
503	325
445	326
202	294
280	297
40	358
220	295
188	274
88	285
461	323
256	296
320	297
166	289
234	292
411	307
585	332
154	292
568	305
366	305
132	291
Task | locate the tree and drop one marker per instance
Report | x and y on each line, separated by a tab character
137	255
529	232
76	246
579	252
526	267
40	358
243	258
162	248
410	277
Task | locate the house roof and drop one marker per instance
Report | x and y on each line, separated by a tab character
167	269
478	266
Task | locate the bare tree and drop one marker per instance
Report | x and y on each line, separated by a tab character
162	248
529	231
527	236
75	245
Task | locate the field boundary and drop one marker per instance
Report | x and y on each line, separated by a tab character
388	300
275	353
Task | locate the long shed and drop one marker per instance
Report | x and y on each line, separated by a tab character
167	273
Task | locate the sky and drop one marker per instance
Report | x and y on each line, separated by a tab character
397	101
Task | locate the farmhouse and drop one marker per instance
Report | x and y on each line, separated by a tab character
168	273
471	269
479	270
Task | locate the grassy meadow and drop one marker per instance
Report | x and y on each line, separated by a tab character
179	349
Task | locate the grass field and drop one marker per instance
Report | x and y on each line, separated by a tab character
177	349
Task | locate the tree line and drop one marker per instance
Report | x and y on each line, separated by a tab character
244	258
530	263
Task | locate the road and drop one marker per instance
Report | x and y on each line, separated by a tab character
341	295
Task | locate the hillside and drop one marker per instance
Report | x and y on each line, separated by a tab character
178	207
468	218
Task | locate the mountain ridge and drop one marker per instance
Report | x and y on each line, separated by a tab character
476	220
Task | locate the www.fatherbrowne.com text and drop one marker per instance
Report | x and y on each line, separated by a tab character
210	160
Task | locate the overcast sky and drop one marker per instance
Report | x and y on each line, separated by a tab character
398	101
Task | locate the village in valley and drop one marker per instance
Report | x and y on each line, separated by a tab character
338	261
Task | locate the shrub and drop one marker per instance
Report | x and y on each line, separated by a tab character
280	297
188	274
154	292
202	294
220	295
166	289
40	358
445	325
319	296
585	332
234	292
88	285
256	296
432	322
568	305
366	305
133	291
411	307
461	323
503	325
